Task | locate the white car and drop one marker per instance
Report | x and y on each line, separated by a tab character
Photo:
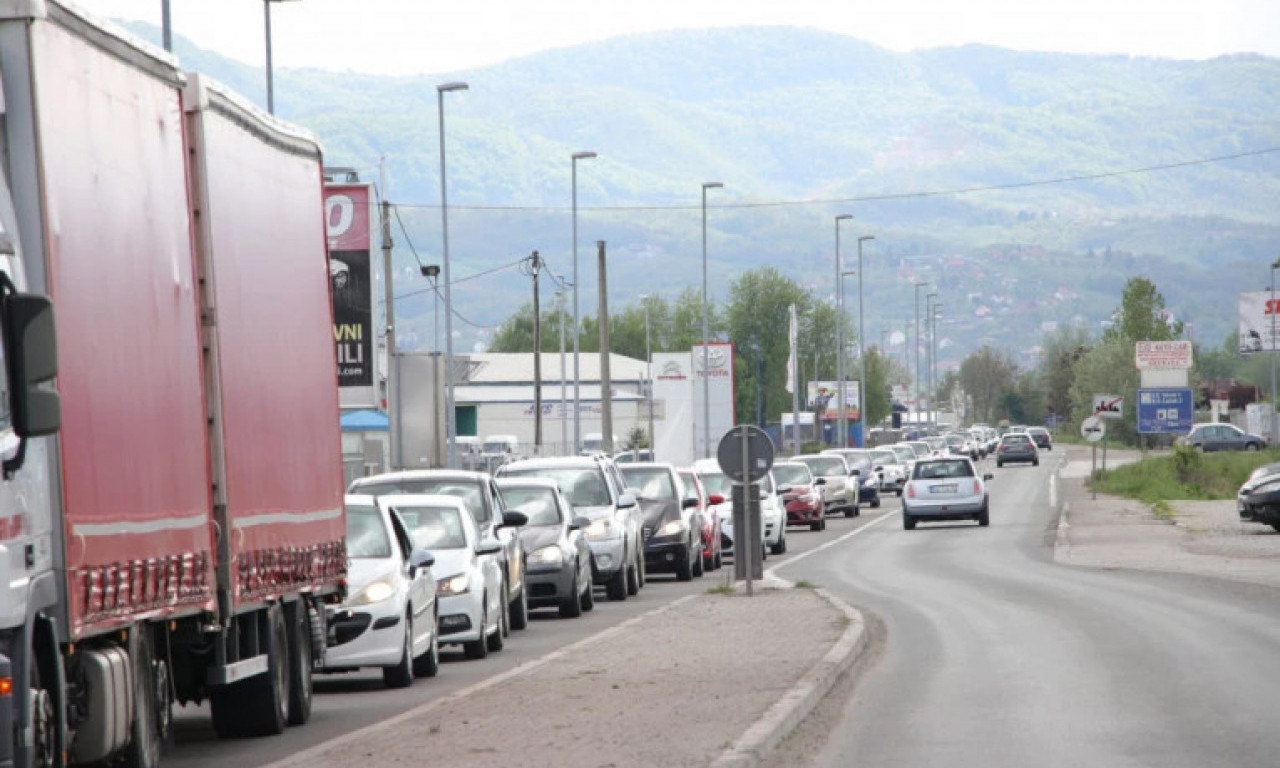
891	471
774	535
389	618
945	488
468	581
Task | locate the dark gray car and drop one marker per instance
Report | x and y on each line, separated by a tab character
1017	446
1222	437
559	567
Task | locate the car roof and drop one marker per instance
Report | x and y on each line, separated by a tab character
527	482
422	500
647	465
553	462
420	474
938	459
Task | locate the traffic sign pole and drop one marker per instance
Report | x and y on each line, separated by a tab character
746	497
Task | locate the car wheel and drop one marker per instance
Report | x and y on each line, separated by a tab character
641	568
817	525
571	606
301	690
428	664
633	577
588	599
617	586
401	675
851	511
498	640
999	465
875	504
684	566
1251	446
1035	462
519	609
984	517
908	521
781	547
899	493
698	569
478	649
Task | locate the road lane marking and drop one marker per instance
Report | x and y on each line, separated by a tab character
770	573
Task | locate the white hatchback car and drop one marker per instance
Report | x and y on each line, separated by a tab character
468	582
389	618
771	514
945	488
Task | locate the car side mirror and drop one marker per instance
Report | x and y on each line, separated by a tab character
715	498
855	472
488	548
626	500
688	503
421	558
988	476
879	468
579	524
820	481
513	519
32	349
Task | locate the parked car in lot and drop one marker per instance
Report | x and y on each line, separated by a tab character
945	489
483	501
712	557
890	469
559	566
469	585
840	492
771	519
1044	441
389	617
1222	437
672	525
1017	447
596	490
801	494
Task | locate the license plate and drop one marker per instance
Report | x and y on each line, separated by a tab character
948	488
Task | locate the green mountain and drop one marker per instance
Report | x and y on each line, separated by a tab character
787	115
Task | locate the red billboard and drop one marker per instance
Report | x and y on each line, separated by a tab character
347	222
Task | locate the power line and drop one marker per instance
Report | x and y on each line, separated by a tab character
396	209
476	276
872	198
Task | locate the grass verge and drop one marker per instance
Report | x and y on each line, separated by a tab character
1185	475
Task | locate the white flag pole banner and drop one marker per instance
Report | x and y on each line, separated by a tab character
1258	322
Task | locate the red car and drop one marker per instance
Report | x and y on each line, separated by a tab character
711	556
800	494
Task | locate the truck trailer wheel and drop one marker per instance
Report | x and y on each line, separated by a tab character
300	684
153	707
258	706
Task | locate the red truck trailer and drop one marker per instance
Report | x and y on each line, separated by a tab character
171	503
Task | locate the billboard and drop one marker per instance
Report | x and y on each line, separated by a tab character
1258	323
347	223
719	373
1165	411
823	396
1162	355
673	392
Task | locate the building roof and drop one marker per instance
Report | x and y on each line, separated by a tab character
517	367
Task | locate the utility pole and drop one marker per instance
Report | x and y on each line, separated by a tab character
606	382
648	368
535	265
393	369
564	416
166	26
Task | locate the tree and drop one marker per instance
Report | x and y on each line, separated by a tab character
1107	367
879	396
985	376
1142	316
1062	350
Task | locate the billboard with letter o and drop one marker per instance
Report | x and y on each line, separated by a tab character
347	218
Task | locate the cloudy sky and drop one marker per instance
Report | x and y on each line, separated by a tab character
429	36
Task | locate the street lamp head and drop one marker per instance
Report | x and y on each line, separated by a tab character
844	217
849	273
712	185
866	237
430	270
583	155
455	86
1275	264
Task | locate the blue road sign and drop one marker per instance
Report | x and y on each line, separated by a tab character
1165	411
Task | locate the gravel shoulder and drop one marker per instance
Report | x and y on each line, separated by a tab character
674	688
1203	538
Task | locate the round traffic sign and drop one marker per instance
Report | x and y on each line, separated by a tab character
1093	429
759	453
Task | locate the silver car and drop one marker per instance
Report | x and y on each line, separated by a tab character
945	489
840	494
559	568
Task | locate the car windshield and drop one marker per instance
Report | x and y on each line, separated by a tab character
716	482
468	490
366	532
650	482
884	457
538	504
953	440
920	448
581	486
825	465
860	461
932	470
903	452
433	527
791	474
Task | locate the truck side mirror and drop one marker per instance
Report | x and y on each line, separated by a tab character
32	349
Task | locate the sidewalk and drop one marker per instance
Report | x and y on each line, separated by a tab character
1204	538
674	687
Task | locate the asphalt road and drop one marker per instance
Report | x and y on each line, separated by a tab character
347	702
994	656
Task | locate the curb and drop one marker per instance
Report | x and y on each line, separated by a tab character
779	720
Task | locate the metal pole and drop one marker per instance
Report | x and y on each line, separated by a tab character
606	381
916	381
842	418
451	416
166	26
388	279
862	352
564	416
795	403
577	318
435	313
748	556
1271	311
537	359
648	356
706	335
266	12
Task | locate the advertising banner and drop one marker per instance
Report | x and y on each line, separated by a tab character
719	372
350	236
1258	324
673	388
1165	411
823	396
1162	355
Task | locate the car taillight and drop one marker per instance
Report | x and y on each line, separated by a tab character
977	487
911	491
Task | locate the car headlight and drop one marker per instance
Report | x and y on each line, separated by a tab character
1269	487
454	585
374	592
672	527
550	555
601	529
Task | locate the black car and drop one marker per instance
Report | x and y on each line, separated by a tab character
672	525
1263	502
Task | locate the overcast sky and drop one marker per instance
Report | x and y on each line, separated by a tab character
428	36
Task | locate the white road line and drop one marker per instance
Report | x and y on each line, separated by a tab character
770	573
1053	490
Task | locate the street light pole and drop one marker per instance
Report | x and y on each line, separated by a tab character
166	26
706	335
648	372
915	405
266	13
564	417
450	411
1271	311
862	352
928	368
577	319
842	417
933	340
